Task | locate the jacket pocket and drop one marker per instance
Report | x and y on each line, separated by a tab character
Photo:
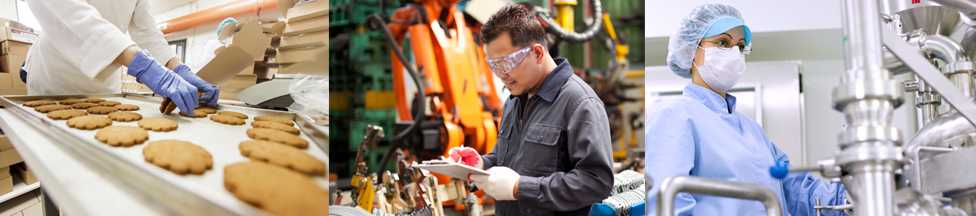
540	152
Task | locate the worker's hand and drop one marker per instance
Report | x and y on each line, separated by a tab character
163	82
501	183
467	156
210	92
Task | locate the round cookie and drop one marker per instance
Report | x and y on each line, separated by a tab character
71	101
108	103
180	157
51	107
158	124
226	119
124	136
207	110
276	190
124	116
38	103
197	113
127	107
232	113
83	105
94	100
277	136
281	155
89	122
280	119
101	110
66	114
276	126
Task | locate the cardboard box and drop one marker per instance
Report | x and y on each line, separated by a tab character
12	55
9	157
5	172
315	24
305	9
25	174
5	143
247	46
13	30
6	185
301	55
310	39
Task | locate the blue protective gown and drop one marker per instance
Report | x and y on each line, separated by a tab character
699	134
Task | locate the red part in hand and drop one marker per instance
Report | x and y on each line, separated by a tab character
465	155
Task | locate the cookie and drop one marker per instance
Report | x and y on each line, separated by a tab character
126	107
226	119
277	190
180	157
51	107
38	103
83	105
158	124
94	100
66	114
197	113
108	103
70	101
101	110
167	106
281	155
89	122
125	116
277	136
275	125
280	119
232	113
124	136
206	109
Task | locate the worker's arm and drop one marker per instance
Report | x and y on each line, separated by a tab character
591	179
802	190
77	30
669	150
144	32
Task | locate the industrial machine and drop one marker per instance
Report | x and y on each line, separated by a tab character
885	174
418	70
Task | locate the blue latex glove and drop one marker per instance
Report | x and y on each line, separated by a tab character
149	72
210	91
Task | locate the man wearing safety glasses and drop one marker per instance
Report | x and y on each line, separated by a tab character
553	150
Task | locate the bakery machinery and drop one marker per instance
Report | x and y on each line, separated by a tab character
86	174
885	170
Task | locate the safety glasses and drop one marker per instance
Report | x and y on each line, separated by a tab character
504	65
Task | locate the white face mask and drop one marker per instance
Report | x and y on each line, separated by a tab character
722	67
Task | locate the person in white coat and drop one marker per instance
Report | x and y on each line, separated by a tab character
85	43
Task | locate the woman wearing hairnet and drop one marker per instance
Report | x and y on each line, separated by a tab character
700	134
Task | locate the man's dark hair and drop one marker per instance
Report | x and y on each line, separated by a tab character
519	22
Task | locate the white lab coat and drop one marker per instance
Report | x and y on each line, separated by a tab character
80	39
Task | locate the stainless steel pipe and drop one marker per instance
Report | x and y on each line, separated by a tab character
698	185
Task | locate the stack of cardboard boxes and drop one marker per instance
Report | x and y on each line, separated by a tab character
304	43
8	157
15	40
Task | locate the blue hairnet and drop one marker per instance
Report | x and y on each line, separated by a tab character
683	44
229	21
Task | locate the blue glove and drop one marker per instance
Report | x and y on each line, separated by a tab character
210	91
149	72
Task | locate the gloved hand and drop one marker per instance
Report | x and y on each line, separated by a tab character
467	156
210	91
149	72
501	183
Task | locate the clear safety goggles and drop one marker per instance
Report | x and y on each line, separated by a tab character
504	65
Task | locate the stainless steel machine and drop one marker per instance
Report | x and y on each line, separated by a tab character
885	174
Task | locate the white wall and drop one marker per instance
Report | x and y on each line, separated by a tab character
8	9
664	17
